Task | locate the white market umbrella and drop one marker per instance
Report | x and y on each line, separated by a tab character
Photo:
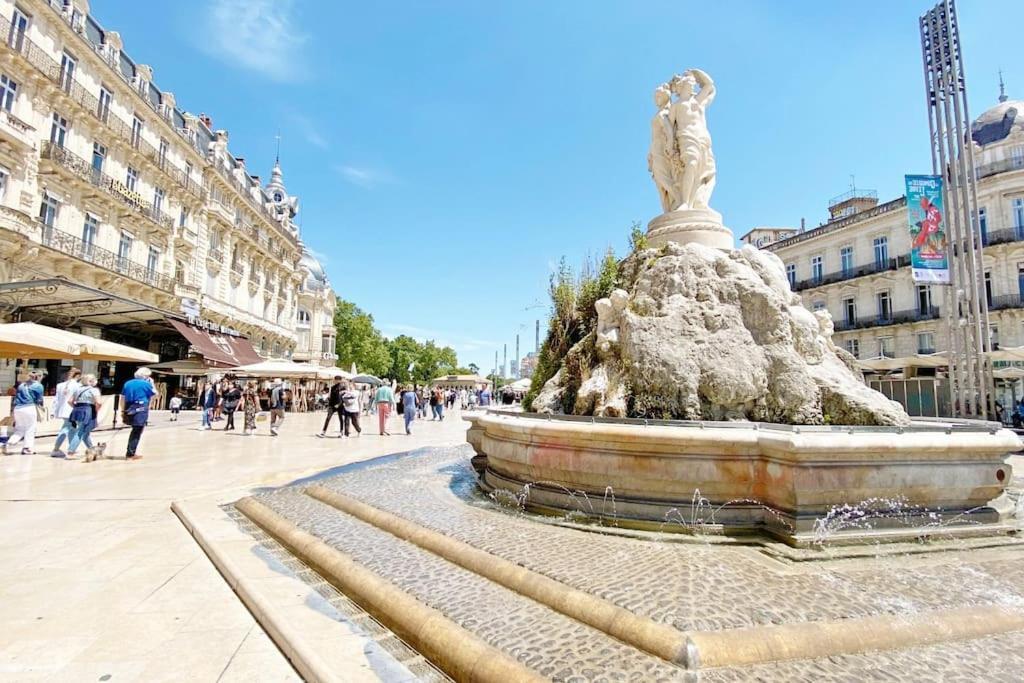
331	373
29	340
283	369
181	367
884	363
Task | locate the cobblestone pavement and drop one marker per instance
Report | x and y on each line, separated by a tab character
993	659
548	642
693	585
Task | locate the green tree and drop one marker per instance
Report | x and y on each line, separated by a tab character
474	369
358	340
403	351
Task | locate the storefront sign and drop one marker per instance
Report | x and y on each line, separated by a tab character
927	224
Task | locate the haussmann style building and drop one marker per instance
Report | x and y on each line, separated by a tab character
126	217
857	264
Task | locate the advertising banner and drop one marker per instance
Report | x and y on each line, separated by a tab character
927	223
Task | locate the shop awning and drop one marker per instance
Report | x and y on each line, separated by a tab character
218	349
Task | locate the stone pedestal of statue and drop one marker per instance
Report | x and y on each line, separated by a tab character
689	226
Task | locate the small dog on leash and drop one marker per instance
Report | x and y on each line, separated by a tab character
97	452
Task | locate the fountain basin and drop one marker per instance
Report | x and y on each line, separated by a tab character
790	482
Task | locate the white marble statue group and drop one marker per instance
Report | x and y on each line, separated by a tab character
680	159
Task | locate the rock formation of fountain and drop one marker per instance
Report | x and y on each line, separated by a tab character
700	330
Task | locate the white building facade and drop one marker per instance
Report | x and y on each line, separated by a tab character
108	188
857	265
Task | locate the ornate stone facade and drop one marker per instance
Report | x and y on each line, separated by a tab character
857	265
107	183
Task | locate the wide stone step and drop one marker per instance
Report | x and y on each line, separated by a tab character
545	641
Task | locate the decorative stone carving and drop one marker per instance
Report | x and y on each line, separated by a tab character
700	333
609	312
682	164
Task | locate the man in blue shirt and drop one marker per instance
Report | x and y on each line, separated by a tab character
137	393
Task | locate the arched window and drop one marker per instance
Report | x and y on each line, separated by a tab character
303	317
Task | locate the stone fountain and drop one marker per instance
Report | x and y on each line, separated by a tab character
713	390
710	401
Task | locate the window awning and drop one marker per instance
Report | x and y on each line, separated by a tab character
218	349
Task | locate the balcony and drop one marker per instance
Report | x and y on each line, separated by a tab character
1000	303
70	89
855	272
215	254
16	221
71	245
1004	166
892	318
16	131
83	170
1004	235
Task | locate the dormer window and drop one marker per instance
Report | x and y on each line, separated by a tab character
278	197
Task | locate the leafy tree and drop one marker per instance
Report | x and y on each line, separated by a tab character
474	369
358	340
404	352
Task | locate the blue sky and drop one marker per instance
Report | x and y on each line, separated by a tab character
447	154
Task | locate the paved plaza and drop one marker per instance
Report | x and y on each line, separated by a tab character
103	582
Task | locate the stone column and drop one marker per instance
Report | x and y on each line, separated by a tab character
90	366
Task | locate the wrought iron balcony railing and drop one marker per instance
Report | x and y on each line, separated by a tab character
999	303
996	167
79	95
884	319
72	245
853	272
82	169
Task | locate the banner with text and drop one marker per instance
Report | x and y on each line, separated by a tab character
928	258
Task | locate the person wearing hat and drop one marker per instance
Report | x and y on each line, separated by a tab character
277	404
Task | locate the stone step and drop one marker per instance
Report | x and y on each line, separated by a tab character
545	641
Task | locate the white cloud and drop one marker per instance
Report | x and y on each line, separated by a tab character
308	130
258	35
364	176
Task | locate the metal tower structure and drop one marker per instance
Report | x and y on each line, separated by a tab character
966	309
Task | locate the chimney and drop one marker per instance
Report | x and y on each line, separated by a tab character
803	225
207	121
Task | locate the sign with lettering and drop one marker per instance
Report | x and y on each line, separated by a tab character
929	260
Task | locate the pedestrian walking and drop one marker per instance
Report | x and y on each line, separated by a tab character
62	406
410	403
230	399
175	405
207	403
423	402
136	394
27	409
437	405
250	406
334	406
350	408
86	407
278	401
384	402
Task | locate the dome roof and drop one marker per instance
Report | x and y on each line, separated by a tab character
998	122
317	278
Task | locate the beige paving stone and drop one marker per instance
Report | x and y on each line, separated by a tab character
265	667
91	554
194	656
